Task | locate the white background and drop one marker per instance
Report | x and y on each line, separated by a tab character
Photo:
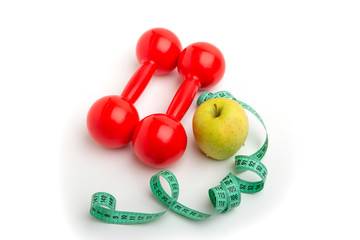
296	62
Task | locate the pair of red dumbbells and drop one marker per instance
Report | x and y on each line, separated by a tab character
159	140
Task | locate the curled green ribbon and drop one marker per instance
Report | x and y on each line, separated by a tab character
224	197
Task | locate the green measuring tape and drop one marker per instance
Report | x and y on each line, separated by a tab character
224	197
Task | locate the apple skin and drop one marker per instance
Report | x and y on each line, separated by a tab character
220	127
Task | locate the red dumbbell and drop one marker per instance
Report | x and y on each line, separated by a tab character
159	140
112	119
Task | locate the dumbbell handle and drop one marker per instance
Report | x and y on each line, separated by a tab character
138	81
183	97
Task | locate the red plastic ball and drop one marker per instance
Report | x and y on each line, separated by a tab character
203	61
111	121
159	140
160	46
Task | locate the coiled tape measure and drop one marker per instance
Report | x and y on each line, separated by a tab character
224	197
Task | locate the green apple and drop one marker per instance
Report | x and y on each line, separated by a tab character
220	127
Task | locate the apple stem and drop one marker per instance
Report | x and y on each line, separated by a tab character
217	113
